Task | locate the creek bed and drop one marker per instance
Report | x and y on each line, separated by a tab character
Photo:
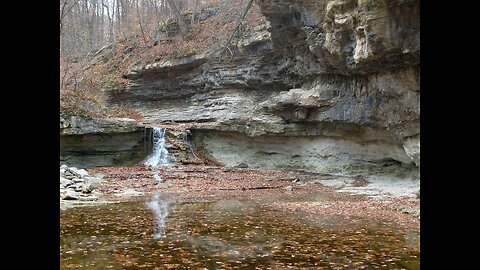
229	232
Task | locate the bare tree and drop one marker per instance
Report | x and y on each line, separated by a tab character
240	21
140	23
176	12
194	10
65	10
87	25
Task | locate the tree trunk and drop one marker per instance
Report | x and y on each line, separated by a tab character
194	10
140	24
176	12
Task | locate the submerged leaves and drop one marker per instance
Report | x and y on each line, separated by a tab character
227	234
224	217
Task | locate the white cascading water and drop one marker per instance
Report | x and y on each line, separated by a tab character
160	209
159	155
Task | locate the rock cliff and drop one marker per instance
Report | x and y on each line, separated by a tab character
329	85
103	142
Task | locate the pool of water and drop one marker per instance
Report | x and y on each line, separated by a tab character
228	233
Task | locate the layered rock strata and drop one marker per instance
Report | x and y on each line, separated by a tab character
88	143
330	85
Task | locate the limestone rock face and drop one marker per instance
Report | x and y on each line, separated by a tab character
344	155
76	125
105	149
104	143
346	36
326	85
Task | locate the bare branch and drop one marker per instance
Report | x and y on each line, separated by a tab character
240	21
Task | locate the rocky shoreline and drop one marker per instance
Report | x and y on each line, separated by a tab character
344	195
77	187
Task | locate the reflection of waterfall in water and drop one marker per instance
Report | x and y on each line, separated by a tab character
159	207
159	155
157	176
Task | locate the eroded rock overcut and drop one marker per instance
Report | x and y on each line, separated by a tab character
330	86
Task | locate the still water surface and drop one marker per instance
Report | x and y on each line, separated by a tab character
227	234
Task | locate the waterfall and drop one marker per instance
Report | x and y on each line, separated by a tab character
159	207
159	155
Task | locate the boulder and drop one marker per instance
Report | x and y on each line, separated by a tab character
64	182
79	172
68	175
78	180
87	188
78	187
70	195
